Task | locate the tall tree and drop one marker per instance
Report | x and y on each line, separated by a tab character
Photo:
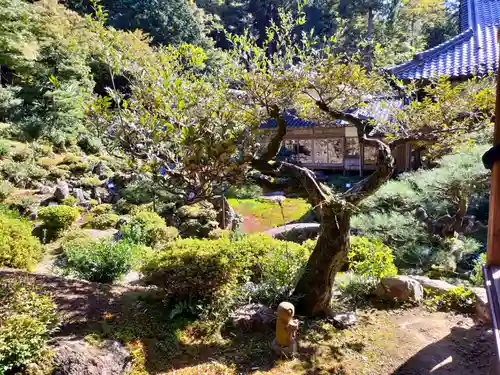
197	132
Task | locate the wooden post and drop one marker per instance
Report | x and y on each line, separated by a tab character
493	252
361	158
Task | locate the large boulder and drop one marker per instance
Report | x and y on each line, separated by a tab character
435	287
102	195
253	317
400	288
299	233
62	191
482	309
76	357
80	197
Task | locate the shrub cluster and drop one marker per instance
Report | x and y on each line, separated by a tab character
100	261
217	273
27	319
371	258
58	218
197	220
104	221
148	228
18	248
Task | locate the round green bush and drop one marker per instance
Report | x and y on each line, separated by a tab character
371	258
70	201
18	248
101	209
204	269
101	261
104	221
89	144
148	228
58	217
27	320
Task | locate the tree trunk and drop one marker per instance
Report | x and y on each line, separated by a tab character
370	37
313	293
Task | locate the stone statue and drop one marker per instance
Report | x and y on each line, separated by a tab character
285	342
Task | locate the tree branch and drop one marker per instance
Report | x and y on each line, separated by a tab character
302	180
385	161
275	144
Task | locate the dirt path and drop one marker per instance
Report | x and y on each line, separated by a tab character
385	342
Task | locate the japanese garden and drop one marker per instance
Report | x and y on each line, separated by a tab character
246	187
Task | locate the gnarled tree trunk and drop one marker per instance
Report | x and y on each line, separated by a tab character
314	290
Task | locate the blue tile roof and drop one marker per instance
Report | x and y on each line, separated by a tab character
473	52
376	108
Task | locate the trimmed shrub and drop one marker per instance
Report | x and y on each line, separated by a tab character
216	272
148	228
70	201
73	235
409	239
219	233
80	167
71	159
139	192
27	319
18	248
459	299
197	220
90	145
22	154
371	258
249	191
22	174
4	148
58	173
100	261
6	189
90	182
104	221
101	209
58	218
47	162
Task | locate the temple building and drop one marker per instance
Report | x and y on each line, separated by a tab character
335	146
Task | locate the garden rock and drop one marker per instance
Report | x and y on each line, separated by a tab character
299	234
226	216
482	309
45	190
61	192
401	288
99	169
344	321
80	196
253	317
76	357
436	287
123	220
102	195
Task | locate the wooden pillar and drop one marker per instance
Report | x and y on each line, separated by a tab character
493	252
407	158
361	158
344	150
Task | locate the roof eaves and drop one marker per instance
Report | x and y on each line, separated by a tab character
422	56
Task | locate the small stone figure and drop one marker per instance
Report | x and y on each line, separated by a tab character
285	342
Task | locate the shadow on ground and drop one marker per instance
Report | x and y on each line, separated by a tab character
475	349
138	315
